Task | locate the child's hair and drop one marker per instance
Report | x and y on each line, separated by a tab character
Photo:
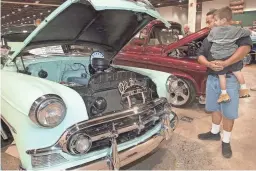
224	12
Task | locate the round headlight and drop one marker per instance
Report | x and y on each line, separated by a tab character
79	143
171	80
48	111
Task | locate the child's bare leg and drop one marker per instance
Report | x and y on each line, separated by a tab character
224	97
244	92
240	78
222	79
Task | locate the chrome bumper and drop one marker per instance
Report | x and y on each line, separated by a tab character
141	114
125	157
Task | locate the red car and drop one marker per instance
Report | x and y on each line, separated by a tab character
160	48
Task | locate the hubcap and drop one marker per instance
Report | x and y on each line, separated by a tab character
179	92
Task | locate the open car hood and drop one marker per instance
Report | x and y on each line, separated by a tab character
101	23
187	39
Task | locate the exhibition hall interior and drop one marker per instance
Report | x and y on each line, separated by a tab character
128	85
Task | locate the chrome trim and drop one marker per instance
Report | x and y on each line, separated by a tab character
37	104
61	144
3	133
71	148
169	80
8	124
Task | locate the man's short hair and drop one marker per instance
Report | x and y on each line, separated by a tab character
211	12
225	12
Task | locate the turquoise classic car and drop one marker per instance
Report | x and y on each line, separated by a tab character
67	107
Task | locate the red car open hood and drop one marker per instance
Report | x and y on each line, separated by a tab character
187	39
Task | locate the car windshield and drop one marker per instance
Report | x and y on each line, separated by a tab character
59	50
14	36
161	35
169	35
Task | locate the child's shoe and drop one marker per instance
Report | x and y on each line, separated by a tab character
244	93
224	98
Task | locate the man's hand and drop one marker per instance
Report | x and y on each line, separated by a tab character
215	66
221	63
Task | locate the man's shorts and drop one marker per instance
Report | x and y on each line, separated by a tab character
213	90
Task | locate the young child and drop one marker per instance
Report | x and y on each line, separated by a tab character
223	37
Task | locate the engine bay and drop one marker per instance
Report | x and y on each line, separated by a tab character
102	87
110	89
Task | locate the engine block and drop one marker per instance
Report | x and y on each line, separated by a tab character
116	90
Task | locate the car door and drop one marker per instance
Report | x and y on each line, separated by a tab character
132	53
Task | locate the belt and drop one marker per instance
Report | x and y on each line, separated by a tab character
228	75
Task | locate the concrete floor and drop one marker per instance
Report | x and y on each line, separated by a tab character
185	151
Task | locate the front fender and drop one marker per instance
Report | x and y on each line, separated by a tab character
158	77
18	92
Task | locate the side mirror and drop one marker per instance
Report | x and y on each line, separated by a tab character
137	41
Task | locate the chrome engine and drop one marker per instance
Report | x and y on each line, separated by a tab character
116	90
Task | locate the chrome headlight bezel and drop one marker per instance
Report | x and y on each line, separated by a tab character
169	81
71	142
41	103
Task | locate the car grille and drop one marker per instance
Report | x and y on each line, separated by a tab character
127	125
122	138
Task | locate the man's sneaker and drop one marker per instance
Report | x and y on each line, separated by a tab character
226	150
209	136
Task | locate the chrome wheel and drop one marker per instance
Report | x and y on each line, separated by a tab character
179	92
247	59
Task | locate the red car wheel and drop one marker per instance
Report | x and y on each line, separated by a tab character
182	93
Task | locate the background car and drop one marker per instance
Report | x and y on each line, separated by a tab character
164	49
251	57
67	108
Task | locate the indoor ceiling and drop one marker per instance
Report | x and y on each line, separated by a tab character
16	12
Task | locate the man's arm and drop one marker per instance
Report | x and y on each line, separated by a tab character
245	45
240	53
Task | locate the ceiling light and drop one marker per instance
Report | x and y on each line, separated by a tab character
21	23
158	4
49	10
180	1
28	17
7	15
19	9
37	2
24	31
3	16
13	12
41	13
25	22
34	15
18	20
22	18
26	6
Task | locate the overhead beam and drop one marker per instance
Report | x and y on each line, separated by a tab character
28	3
